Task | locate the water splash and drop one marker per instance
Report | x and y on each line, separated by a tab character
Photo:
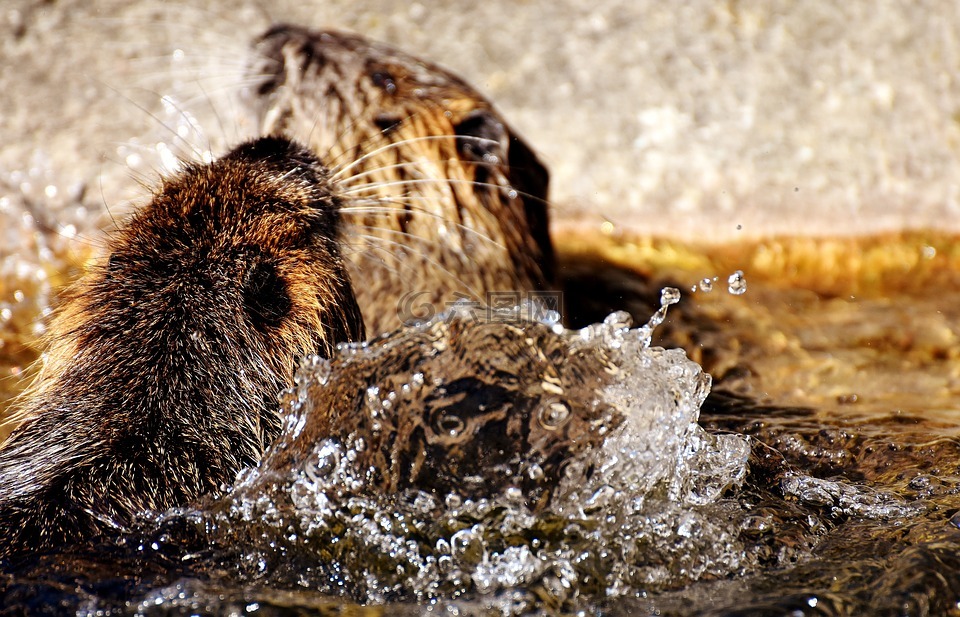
511	461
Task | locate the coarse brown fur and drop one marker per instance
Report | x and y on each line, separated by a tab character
165	363
443	199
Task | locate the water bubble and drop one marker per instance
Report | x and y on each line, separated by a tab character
619	320
551	318
553	414
467	544
450	424
513	493
600	499
706	284
736	283
316	367
535	472
325	464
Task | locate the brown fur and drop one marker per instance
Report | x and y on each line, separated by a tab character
165	363
445	200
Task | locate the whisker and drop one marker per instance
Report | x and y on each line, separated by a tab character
406	248
350	180
342	170
361	146
415	181
392	212
189	146
412	237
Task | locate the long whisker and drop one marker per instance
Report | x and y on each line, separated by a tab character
392	212
406	235
342	170
406	248
415	164
189	146
415	181
361	147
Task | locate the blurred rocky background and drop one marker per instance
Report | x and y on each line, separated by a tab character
703	119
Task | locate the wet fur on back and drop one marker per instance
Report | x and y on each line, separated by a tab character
165	363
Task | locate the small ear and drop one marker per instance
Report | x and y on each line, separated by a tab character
265	295
269	48
481	134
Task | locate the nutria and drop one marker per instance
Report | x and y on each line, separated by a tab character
445	201
165	363
164	366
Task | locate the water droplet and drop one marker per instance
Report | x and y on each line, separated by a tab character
550	318
450	424
513	493
316	368
737	284
618	320
553	414
535	472
706	284
669	296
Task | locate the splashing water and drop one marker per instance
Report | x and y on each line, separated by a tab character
510	461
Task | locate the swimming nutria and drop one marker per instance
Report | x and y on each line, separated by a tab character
445	200
165	364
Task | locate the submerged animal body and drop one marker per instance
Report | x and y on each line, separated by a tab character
165	364
445	201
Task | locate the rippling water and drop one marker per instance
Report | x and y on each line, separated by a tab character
512	466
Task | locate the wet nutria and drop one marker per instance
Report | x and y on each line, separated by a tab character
445	201
165	363
162	377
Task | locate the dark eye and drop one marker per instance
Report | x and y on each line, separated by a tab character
387	123
265	295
